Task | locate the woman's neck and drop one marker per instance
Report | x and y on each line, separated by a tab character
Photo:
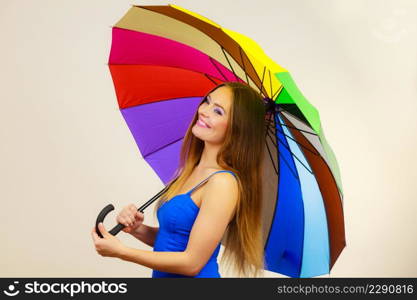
208	158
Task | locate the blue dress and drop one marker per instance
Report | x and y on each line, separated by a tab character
176	218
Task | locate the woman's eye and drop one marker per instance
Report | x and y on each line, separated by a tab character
218	111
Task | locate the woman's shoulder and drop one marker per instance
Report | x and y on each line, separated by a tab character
222	171
223	179
222	186
229	172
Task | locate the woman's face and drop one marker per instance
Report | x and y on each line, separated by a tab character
214	113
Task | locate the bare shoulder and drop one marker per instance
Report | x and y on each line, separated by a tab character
222	185
223	180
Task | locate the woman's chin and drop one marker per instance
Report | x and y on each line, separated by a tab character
197	132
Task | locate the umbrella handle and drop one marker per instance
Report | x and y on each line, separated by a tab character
116	229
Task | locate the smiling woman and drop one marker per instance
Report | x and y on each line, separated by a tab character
216	194
213	116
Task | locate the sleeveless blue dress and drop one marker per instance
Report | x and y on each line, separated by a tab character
176	218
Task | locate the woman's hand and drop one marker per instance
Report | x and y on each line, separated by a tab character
130	217
109	245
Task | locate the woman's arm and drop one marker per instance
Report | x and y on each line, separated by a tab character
146	234
171	262
219	201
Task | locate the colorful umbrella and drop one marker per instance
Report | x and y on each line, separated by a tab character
164	59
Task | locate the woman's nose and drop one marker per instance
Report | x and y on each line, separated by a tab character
204	111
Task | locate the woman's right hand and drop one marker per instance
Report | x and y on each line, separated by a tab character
130	217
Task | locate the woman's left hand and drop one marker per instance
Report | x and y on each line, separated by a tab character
109	245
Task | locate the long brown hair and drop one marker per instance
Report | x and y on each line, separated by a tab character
242	153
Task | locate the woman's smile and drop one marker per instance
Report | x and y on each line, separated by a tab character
212	116
202	124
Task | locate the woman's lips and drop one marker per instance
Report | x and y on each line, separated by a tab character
202	124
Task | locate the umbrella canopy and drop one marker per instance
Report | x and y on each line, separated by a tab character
163	61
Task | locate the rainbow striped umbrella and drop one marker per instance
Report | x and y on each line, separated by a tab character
163	61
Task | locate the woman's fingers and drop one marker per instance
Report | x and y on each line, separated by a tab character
132	208
126	229
124	220
139	216
130	216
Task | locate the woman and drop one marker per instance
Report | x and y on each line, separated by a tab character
216	193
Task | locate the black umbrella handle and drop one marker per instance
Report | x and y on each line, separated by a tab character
116	229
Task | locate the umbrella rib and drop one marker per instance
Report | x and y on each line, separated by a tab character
262	81
270	156
230	65
292	128
169	99
215	83
279	153
262	87
295	141
277	196
160	148
268	129
194	71
217	68
289	150
269	152
328	167
165	66
272	140
294	172
289	167
243	63
270	81
279	89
